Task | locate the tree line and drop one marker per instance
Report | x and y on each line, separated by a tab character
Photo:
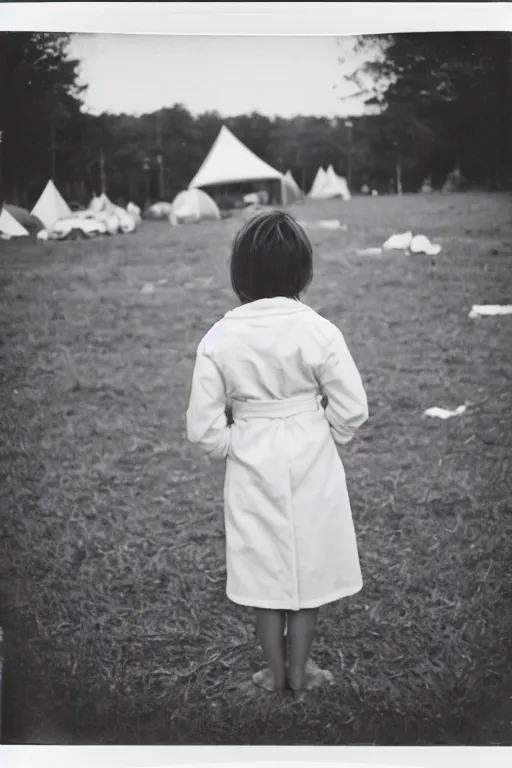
440	101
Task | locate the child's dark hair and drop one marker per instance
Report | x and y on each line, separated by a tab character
271	256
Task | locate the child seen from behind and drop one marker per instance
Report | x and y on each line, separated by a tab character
274	391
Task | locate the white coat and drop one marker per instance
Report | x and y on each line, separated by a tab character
290	539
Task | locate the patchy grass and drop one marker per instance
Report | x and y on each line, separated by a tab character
111	546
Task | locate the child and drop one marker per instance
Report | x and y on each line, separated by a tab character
262	377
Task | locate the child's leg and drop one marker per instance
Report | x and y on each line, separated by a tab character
301	631
270	627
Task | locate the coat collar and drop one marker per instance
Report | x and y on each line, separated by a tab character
279	305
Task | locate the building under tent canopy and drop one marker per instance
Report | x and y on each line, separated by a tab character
232	168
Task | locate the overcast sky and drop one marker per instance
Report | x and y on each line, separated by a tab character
282	76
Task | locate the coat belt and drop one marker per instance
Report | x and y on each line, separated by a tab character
275	409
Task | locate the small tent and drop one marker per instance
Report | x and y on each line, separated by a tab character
338	185
191	206
328	185
51	206
23	217
229	162
9	227
291	192
318	183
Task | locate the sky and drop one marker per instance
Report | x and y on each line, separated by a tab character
283	76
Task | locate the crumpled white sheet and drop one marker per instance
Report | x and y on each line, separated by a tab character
442	413
406	241
421	244
486	310
399	242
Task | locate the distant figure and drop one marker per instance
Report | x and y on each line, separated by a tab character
295	393
375	193
365	189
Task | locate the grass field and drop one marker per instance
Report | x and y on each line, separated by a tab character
111	542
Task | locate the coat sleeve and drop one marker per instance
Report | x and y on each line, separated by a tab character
207	423
339	379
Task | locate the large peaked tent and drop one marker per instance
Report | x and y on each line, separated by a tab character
9	227
51	206
231	162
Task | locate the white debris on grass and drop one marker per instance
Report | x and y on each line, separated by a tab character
421	244
332	224
399	242
369	252
487	310
406	241
148	288
162	281
324	224
442	413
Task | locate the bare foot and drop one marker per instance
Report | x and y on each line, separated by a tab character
264	678
312	677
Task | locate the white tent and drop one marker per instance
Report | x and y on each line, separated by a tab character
328	185
191	206
318	183
338	184
9	227
230	162
51	206
290	190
